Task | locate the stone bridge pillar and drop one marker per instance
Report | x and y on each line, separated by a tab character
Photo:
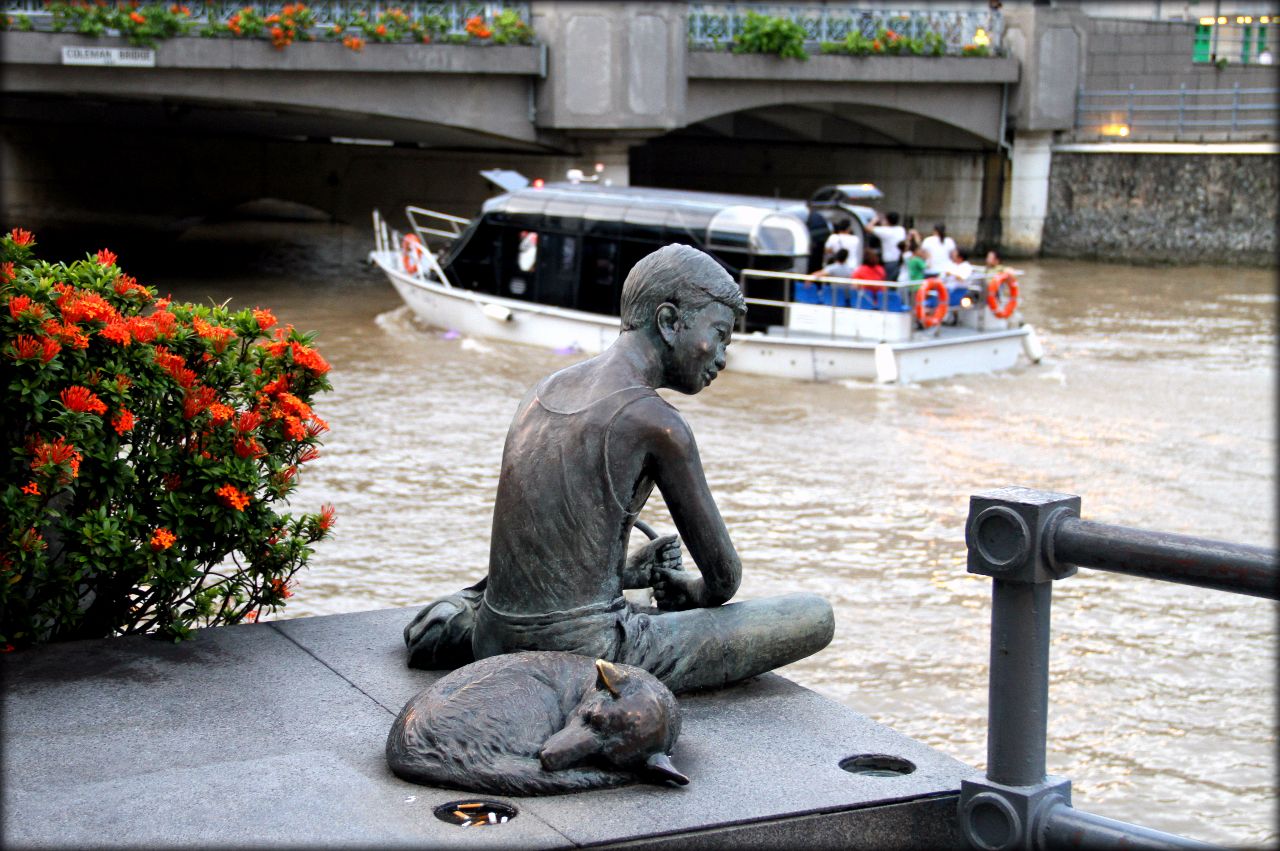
1050	46
615	76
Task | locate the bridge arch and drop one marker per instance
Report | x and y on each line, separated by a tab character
924	115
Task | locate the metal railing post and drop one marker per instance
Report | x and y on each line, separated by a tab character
1235	106
1024	540
1128	118
1182	105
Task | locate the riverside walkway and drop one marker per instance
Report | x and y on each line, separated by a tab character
272	734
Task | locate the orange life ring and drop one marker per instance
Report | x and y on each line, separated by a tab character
928	320
410	248
1002	311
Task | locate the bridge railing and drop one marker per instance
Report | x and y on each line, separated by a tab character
1123	112
713	26
327	12
1024	540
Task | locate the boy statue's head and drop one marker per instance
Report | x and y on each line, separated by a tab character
688	304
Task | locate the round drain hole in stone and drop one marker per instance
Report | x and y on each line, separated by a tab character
877	765
475	813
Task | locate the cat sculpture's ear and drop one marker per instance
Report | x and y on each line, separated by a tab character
608	677
660	764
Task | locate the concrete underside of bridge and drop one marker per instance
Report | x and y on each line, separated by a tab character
164	165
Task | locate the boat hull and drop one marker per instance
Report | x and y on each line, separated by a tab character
797	357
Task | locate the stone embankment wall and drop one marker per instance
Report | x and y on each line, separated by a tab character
1154	208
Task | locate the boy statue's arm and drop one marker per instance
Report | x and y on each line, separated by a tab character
677	470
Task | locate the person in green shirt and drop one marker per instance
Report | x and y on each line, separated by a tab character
913	263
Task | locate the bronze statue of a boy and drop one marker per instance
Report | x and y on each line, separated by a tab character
583	453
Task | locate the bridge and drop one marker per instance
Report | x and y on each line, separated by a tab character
638	87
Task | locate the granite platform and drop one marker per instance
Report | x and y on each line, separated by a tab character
272	734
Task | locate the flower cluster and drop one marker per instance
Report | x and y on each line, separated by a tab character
477	29
142	25
152	442
293	21
388	27
888	42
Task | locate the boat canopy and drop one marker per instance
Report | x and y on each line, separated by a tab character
756	225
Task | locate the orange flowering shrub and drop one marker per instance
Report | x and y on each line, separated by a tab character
149	448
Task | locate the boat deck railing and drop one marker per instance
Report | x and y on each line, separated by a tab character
412	257
449	229
1024	540
854	286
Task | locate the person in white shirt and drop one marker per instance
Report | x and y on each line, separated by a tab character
891	235
937	248
958	269
842	238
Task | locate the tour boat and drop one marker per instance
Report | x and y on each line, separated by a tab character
543	264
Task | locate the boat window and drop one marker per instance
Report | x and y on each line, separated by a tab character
558	270
601	290
527	251
475	260
781	235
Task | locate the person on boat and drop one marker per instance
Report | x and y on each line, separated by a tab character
937	248
914	267
843	238
870	270
958	270
586	448
833	293
994	264
839	267
891	236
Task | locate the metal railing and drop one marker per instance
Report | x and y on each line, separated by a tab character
1024	540
864	300
455	224
1123	112
715	25
327	12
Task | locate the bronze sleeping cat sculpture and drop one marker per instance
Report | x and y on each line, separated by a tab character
536	723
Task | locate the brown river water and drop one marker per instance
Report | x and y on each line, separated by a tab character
1155	403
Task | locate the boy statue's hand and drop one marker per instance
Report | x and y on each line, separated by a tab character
660	553
676	589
